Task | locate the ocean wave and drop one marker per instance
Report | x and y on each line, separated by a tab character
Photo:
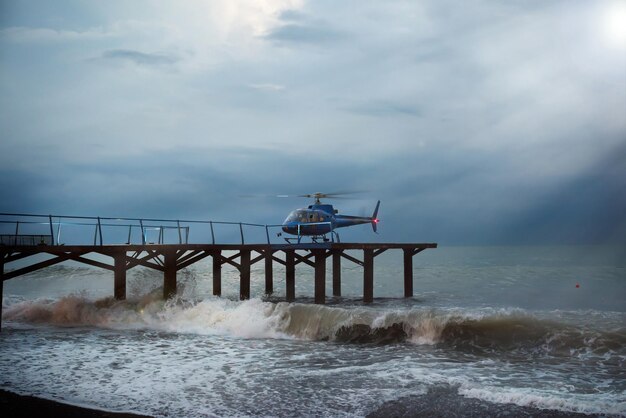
527	333
469	330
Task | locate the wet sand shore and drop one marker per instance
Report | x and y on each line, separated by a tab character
18	406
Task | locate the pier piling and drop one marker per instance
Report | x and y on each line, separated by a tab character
320	276
1	287
244	268
408	272
119	272
169	274
217	273
290	275
337	272
368	275
269	272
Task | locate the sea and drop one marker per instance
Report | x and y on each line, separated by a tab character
490	331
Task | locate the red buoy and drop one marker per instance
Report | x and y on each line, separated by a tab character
577	285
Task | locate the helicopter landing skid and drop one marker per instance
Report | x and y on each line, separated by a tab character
314	239
317	239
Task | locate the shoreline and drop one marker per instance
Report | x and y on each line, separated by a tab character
25	406
438	402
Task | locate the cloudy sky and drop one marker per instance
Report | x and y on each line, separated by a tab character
475	122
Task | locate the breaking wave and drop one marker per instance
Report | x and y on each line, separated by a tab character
463	330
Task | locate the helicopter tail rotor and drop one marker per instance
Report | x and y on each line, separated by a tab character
375	217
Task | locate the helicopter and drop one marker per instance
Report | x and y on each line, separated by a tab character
319	219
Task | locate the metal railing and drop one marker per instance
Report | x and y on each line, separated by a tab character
12	226
16	240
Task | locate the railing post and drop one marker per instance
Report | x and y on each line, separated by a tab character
51	229
180	237
59	231
241	231
143	234
130	229
212	233
17	229
267	234
100	230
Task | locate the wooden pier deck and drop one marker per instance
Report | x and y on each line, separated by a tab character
170	258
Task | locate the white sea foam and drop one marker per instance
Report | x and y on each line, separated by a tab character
248	319
548	399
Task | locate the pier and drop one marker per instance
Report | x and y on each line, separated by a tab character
169	258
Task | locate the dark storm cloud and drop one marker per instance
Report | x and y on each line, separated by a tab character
462	198
140	58
589	208
27	191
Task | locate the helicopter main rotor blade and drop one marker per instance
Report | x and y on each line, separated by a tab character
317	195
344	192
333	195
265	195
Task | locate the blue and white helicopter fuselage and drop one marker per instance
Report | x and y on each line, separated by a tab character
320	219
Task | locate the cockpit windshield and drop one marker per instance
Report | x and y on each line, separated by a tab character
296	216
